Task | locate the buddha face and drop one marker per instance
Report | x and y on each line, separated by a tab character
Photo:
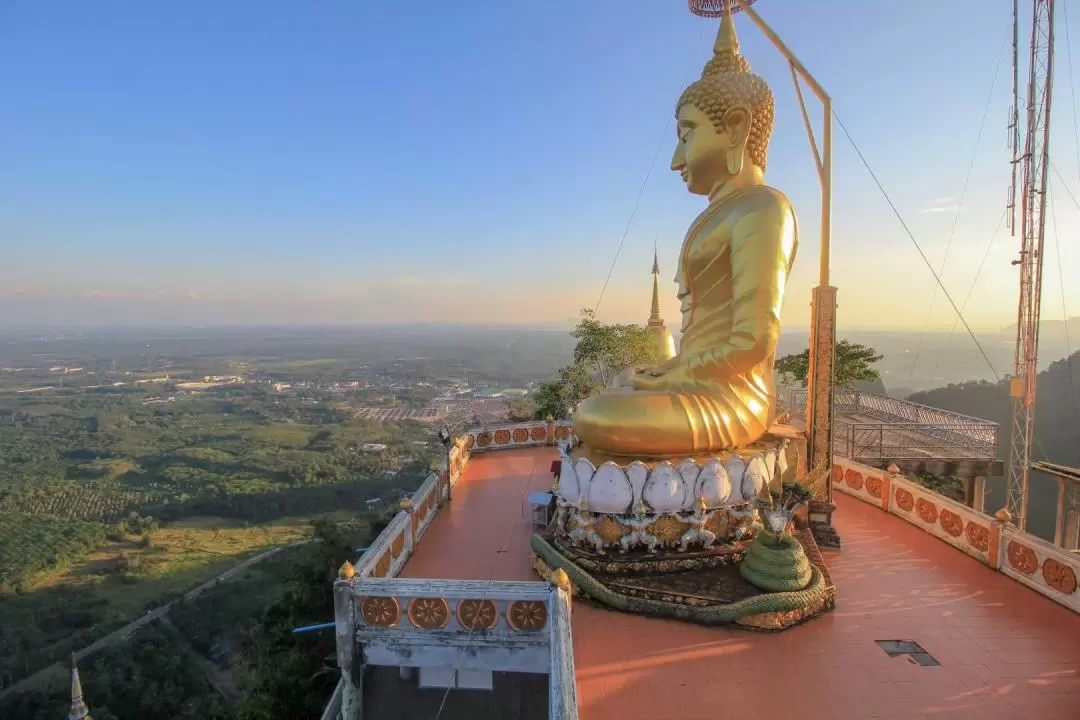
709	153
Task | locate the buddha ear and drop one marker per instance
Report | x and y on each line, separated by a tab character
737	123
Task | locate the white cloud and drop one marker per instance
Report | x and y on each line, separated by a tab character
940	208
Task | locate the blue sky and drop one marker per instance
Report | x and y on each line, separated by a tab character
342	161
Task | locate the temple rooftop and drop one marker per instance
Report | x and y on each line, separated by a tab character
1002	649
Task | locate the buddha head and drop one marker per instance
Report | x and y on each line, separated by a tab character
724	120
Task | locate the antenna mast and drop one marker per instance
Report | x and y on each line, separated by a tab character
1034	161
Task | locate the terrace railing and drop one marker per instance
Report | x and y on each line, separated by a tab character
1067	524
455	624
509	643
1047	568
877	441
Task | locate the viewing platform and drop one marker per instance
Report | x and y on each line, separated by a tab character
940	611
879	430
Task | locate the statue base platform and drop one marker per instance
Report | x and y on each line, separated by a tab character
642	562
703	587
786	438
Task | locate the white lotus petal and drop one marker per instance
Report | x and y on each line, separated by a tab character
664	490
609	490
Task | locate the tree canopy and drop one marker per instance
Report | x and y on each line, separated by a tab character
602	352
854	363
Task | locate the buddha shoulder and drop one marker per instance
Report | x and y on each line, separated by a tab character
764	201
762	210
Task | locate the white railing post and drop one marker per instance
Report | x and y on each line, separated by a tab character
562	680
351	666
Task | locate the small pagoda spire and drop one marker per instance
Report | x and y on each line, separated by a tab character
654	316
78	710
665	343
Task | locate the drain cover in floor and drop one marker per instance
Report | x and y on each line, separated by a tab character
912	649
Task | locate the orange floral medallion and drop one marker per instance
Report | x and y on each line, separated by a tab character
904	500
380	611
1059	576
873	486
1022	558
429	613
837	474
926	511
483	439
521	435
951	523
854	479
501	437
978	536
526	615
538	433
477	614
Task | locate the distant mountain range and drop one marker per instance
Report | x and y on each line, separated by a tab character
1051	327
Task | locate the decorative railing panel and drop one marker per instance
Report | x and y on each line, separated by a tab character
946	519
1041	566
531	628
460	624
526	434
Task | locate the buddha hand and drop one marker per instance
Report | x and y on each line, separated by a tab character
658	370
671	377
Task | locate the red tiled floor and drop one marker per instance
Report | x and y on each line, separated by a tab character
1005	651
484	532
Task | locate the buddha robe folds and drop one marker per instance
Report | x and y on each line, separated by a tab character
719	392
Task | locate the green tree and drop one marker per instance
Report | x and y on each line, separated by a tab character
558	397
520	409
854	362
602	351
610	349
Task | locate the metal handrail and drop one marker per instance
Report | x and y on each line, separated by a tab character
955	429
1067	520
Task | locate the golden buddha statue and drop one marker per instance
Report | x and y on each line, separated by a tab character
718	393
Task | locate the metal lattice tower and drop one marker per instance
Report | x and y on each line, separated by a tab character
1034	161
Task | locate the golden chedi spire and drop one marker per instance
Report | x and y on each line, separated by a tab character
78	710
661	336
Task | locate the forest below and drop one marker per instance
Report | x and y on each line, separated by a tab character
129	474
110	506
244	626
